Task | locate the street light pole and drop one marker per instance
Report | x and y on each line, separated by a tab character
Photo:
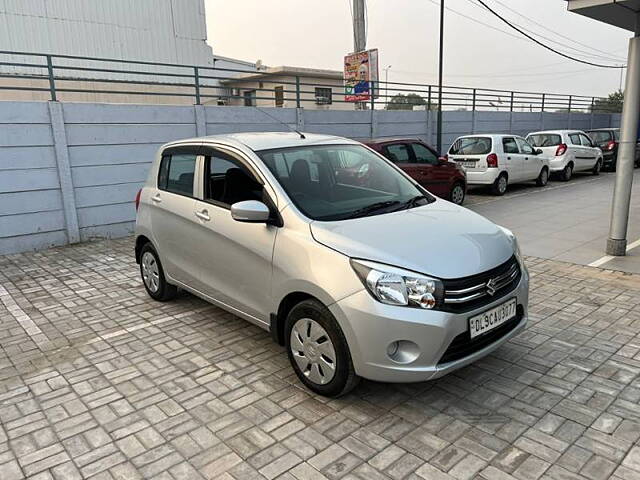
617	242
440	76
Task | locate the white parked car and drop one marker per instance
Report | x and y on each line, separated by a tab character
498	160
570	151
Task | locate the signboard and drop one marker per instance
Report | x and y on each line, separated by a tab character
360	73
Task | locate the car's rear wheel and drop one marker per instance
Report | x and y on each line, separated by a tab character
597	167
153	277
567	173
457	194
318	350
500	185
543	178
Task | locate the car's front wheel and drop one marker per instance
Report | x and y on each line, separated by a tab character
153	275
318	350
457	194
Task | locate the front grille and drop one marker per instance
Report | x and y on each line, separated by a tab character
466	294
462	346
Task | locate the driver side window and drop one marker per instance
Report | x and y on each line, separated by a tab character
228	181
524	146
424	155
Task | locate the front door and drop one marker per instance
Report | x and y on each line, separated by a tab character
172	218
235	257
591	152
532	163
435	176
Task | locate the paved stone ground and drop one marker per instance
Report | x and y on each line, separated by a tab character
98	381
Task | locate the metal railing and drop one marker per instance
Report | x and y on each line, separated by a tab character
60	77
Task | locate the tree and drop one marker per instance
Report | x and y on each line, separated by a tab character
611	104
407	102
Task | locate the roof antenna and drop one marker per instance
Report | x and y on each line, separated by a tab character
281	122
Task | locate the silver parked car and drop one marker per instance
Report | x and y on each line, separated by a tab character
345	259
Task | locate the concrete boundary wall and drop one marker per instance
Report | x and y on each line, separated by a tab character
69	171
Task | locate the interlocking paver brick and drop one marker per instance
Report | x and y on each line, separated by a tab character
116	386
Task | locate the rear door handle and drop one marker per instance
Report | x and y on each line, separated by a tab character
156	198
203	215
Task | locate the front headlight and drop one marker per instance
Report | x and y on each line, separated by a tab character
514	244
395	286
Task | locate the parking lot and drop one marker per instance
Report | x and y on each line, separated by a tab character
99	381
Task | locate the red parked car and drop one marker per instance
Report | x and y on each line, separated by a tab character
441	177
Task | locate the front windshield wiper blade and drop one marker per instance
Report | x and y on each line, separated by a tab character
414	202
374	207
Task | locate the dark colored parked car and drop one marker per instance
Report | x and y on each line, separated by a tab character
608	140
438	175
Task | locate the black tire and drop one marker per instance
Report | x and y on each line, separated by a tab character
543	178
499	187
567	173
457	194
344	379
597	167
164	291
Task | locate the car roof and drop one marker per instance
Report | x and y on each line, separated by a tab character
611	129
491	135
556	132
257	141
378	141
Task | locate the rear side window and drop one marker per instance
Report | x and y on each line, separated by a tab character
545	140
510	146
574	138
471	146
398	153
176	174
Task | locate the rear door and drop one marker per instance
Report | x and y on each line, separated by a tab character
512	159
172	214
591	152
577	152
432	177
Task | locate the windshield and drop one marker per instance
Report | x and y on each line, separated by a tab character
336	182
600	137
545	140
471	146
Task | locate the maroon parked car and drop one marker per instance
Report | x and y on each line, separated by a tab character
441	177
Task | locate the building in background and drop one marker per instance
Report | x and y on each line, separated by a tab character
159	31
276	87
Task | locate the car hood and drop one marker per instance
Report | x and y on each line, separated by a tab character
440	239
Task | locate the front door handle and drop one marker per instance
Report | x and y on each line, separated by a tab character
508	158
203	215
526	158
156	198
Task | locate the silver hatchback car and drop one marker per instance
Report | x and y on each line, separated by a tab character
349	263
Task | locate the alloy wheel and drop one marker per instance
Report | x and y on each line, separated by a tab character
502	184
150	272
457	195
313	351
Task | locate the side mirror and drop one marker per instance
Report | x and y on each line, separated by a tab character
538	151
250	211
443	160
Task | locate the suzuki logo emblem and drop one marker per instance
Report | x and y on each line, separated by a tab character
491	287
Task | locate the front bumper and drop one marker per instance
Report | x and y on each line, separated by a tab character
370	326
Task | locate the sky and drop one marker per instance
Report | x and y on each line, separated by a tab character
480	51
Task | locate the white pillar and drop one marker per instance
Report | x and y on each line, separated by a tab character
617	242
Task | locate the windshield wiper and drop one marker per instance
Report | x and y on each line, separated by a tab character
415	202
374	207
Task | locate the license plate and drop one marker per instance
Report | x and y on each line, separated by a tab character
468	164
487	321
